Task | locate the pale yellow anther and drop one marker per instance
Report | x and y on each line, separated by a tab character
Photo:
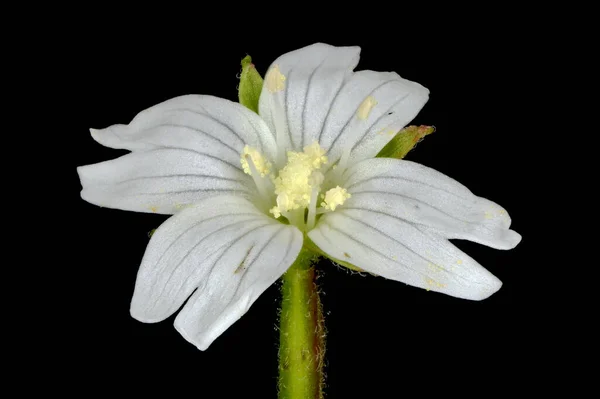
488	215
260	163
316	155
275	80
335	197
275	212
285	202
295	182
365	107
297	185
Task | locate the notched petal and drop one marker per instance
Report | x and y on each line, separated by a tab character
401	251
423	196
195	122
224	253
321	99
163	180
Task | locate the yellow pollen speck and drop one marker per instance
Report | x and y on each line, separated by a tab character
434	267
154	209
431	283
459	262
335	197
365	107
275	80
260	163
389	132
488	215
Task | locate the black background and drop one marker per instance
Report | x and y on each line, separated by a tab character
384	337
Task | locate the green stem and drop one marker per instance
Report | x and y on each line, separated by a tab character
302	334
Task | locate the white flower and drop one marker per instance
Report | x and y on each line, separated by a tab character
226	173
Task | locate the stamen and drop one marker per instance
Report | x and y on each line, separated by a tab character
261	164
295	217
315	181
341	166
316	155
336	171
295	181
312	209
296	187
335	197
276	213
260	182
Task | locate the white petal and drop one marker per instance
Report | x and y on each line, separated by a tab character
398	101
196	122
313	76
163	180
420	195
398	250
226	250
322	98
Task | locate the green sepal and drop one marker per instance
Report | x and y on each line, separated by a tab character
250	85
404	141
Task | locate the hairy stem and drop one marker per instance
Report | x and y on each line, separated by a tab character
302	333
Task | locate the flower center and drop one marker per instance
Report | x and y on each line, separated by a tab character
296	186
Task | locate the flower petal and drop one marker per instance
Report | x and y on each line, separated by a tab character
195	122
420	195
321	100
226	250
391	101
398	250
162	180
311	78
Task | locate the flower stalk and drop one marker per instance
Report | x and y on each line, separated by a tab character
302	333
